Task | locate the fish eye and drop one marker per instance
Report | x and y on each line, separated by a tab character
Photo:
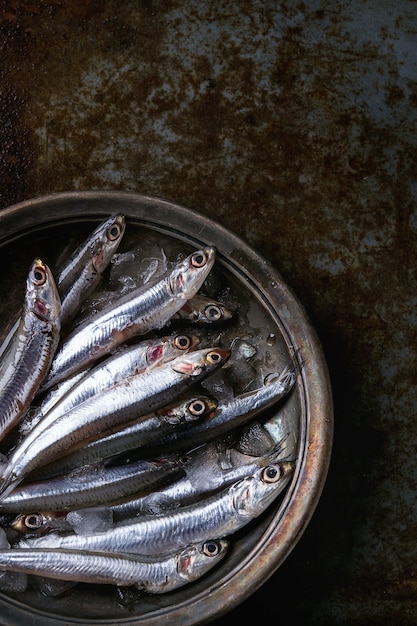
271	474
197	407
198	259
114	232
212	312
39	276
33	521
182	342
211	548
214	357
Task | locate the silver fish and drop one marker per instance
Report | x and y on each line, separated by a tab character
144	430
203	310
207	469
126	362
142	393
154	575
135	314
84	269
230	414
92	486
29	354
219	515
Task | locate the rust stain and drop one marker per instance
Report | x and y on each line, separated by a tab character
292	124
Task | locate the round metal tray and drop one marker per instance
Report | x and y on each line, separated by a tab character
270	318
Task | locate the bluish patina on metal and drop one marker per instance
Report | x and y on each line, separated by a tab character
294	125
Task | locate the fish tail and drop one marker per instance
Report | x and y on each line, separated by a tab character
298	362
275	452
289	374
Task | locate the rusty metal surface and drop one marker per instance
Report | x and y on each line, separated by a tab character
294	125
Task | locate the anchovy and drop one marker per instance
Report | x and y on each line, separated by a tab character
208	469
230	414
145	430
83	271
154	575
127	362
219	515
203	310
141	393
92	486
135	314
29	354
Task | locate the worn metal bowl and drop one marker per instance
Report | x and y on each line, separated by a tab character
270	318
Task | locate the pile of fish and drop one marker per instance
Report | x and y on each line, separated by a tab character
116	465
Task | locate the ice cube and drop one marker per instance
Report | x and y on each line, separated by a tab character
90	520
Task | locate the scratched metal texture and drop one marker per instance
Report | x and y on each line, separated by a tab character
294	125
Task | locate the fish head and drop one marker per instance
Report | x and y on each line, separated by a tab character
252	495
105	241
188	410
31	523
167	348
200	407
202	362
187	278
42	297
196	560
204	311
215	312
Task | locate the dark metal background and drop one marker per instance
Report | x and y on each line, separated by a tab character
294	125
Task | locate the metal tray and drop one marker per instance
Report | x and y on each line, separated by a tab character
270	318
